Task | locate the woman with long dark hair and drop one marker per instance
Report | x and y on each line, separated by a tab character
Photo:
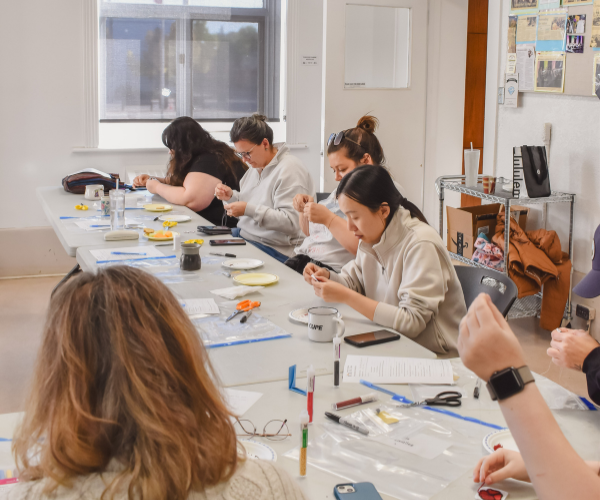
402	277
198	164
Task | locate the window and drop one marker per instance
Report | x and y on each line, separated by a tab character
214	60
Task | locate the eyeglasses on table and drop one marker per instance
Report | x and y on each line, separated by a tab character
274	430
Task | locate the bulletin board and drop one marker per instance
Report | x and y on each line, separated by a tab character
578	67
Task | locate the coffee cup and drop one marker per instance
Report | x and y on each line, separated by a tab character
489	184
94	191
324	323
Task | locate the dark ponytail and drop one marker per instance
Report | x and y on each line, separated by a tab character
362	140
372	186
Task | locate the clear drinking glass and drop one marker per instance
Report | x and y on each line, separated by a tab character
117	209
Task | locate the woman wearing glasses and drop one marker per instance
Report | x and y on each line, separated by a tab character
198	163
124	404
264	202
329	243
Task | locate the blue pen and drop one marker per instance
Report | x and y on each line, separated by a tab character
99	225
127	253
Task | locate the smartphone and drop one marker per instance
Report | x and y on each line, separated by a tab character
372	338
356	491
232	241
211	230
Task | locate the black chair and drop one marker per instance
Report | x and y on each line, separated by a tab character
322	196
476	280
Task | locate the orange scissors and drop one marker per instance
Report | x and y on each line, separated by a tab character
244	306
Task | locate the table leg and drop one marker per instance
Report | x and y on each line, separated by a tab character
72	272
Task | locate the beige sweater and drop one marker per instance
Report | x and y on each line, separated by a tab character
410	274
254	480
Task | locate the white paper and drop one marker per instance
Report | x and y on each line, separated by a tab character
511	63
195	307
234	292
240	402
423	445
526	66
102	224
511	90
107	253
391	370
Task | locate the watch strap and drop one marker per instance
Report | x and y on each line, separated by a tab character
526	375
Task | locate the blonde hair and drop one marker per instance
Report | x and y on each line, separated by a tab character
123	376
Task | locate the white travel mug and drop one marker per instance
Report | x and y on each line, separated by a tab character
324	323
471	167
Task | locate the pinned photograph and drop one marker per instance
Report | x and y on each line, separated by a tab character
575	44
523	4
576	24
550	72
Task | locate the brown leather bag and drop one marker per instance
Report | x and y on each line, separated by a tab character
76	182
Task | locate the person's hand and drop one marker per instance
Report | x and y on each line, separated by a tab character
236	209
569	348
152	185
318	214
500	465
140	180
329	291
300	200
486	343
311	269
223	192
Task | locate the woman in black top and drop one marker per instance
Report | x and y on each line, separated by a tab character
198	163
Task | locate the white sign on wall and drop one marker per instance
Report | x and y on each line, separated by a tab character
309	61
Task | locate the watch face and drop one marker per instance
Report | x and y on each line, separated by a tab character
506	383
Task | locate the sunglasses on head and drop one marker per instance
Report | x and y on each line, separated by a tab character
337	138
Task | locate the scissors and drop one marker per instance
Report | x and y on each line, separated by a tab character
243	306
446	398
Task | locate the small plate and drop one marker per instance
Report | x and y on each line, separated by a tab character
503	437
158	207
154	238
258	451
175	218
301	315
242	264
256	279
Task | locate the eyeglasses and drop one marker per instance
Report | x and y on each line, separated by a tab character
274	430
337	138
245	154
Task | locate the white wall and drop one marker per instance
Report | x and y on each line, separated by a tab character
574	152
42	109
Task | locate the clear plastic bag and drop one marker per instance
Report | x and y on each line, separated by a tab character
215	332
165	268
442	448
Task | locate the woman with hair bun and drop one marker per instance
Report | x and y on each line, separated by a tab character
329	243
264	202
402	277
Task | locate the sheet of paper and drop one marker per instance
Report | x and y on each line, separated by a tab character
138	253
240	402
596	74
511	63
422	445
390	370
512	35
511	90
549	4
595	38
526	29
526	66
99	224
550	72
490	493
195	307
551	32
523	4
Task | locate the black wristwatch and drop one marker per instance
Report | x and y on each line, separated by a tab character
508	382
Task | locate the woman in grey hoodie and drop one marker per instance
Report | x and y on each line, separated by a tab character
264	203
402	277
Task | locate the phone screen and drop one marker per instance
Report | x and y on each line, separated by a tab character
376	337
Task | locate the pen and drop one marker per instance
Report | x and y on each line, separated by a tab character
346	423
127	253
476	390
224	255
310	381
246	316
361	400
337	352
304	418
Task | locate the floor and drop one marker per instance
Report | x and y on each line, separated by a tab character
23	304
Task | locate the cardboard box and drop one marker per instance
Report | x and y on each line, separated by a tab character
464	224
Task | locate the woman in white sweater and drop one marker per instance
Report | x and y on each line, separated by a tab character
124	404
402	277
264	203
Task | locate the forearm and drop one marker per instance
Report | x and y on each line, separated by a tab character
346	238
358	302
277	219
555	469
173	194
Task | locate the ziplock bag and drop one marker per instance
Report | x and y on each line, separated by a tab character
413	458
215	332
165	268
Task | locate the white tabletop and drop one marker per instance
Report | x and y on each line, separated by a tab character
57	203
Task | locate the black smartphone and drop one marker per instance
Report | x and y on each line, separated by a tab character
222	243
211	230
372	338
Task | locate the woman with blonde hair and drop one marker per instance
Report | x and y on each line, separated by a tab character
123	403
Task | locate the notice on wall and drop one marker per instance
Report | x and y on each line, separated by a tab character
310	61
550	72
512	35
526	66
511	63
551	32
596	75
523	4
526	29
595	38
511	90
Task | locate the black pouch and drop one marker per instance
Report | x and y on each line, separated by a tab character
535	171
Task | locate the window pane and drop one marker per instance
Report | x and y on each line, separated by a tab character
225	69
140	69
245	4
